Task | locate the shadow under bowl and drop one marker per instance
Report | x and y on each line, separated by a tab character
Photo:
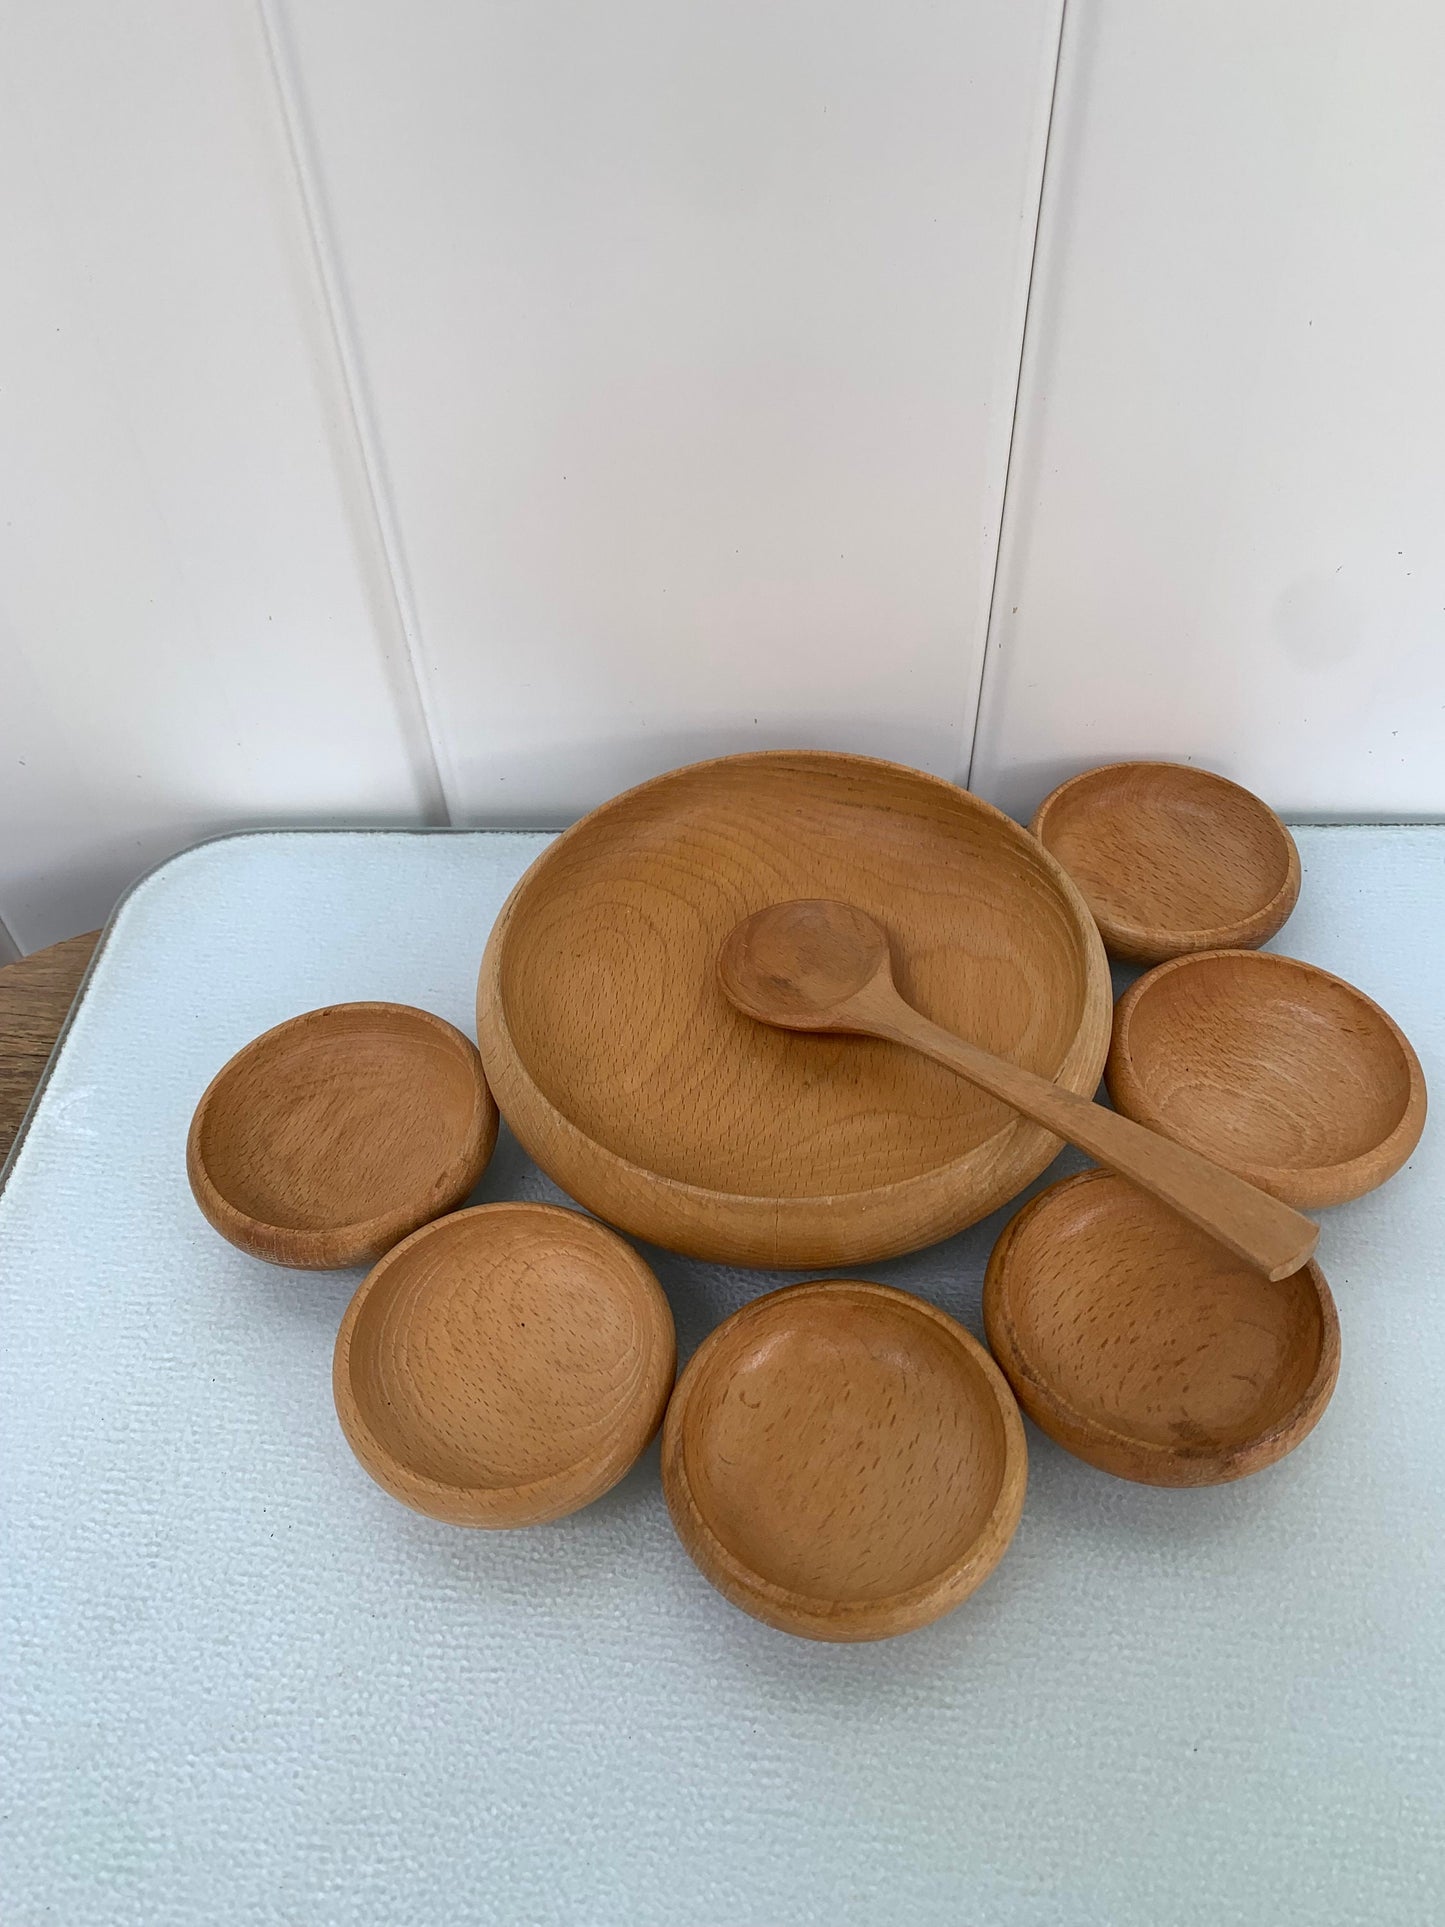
505	1366
1273	1068
326	1140
1171	859
843	1461
1144	1348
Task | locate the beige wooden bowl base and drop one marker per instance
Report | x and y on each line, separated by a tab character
504	1366
327	1139
1141	1346
843	1461
1171	858
631	1080
1275	1069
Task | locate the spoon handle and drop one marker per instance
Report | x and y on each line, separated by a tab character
1247	1221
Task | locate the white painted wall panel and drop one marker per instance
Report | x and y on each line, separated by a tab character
684	342
1223	533
691	335
193	623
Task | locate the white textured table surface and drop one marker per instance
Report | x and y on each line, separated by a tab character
239	1684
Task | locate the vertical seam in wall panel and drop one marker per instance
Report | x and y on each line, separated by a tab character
424	737
990	651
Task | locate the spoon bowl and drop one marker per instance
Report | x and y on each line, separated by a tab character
794	965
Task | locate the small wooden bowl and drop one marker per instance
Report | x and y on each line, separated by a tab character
634	1083
1273	1068
330	1137
1144	1348
1171	859
504	1366
843	1461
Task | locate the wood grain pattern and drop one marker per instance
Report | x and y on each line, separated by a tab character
819	966
843	1461
1277	1069
327	1139
632	1081
1171	858
505	1365
1141	1346
35	997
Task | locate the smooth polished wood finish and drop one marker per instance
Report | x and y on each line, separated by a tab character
504	1366
35	997
1140	1346
337	1133
813	966
1281	1071
631	1080
1171	859
843	1461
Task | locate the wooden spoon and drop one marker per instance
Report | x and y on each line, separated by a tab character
826	966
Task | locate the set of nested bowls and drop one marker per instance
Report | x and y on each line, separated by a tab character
840	1458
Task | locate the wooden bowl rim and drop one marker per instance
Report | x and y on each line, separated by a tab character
334	1247
1257	927
1234	1461
915	1606
1080	1071
1350	1177
558	1489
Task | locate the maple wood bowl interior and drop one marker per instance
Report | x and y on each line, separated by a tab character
1273	1068
632	1081
1171	859
504	1366
327	1139
1144	1348
843	1461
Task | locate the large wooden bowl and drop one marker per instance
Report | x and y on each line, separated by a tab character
632	1081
